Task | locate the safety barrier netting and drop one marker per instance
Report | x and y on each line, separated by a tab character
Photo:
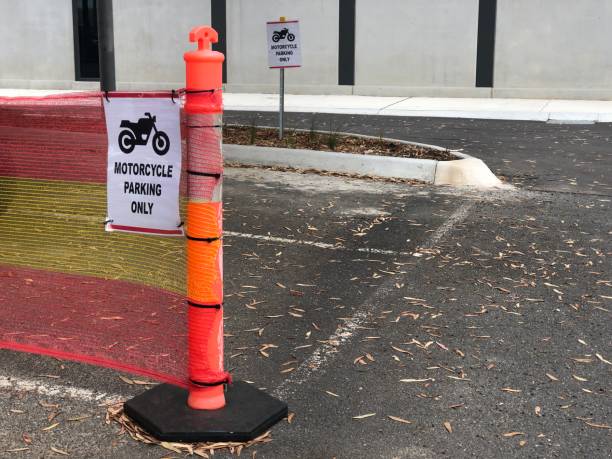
68	288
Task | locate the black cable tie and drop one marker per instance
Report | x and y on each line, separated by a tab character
172	96
204	174
202	239
196	91
106	96
203	306
110	220
206	384
180	224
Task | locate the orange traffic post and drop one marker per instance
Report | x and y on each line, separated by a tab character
213	408
203	110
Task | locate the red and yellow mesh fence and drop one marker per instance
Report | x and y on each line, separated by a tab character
67	287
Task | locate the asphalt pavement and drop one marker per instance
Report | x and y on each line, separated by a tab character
397	321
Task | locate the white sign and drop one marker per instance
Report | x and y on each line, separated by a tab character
284	44
144	165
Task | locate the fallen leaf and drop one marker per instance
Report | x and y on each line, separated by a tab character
509	389
79	418
126	380
599	356
331	393
395	418
52	426
59	451
48	405
403	351
512	434
538	410
597	426
290	417
552	377
581	360
363	416
411	380
448	427
170	446
522	443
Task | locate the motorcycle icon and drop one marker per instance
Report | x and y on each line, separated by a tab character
280	34
138	133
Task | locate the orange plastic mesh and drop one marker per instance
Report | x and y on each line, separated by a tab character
205	272
204	219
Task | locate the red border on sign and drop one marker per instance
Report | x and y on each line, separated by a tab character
285	67
137	229
280	22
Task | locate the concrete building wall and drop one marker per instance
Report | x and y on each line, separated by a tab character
150	39
247	65
416	47
553	48
36	45
543	48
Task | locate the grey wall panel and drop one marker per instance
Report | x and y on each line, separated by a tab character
150	39
555	46
248	62
416	43
36	42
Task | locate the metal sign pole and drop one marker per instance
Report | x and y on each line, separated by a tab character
281	108
281	92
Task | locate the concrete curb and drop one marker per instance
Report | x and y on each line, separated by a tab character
464	171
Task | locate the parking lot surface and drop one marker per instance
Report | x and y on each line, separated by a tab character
396	320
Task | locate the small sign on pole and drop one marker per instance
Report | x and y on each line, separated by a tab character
284	51
284	44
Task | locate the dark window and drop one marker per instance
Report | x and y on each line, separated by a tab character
85	22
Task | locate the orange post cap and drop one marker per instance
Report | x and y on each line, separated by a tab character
204	66
204	35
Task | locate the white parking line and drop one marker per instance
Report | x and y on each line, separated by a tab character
321	245
57	390
344	333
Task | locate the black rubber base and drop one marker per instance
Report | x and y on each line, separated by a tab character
163	412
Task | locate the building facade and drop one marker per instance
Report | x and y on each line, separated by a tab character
452	48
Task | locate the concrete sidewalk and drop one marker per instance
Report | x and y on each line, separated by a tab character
587	111
502	109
